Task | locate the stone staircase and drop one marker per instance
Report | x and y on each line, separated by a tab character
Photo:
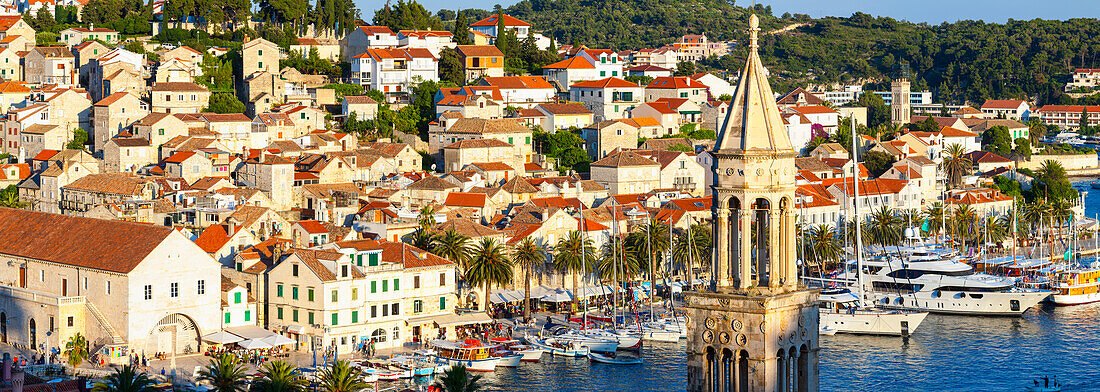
103	323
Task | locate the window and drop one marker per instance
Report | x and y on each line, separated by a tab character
442	303
528	141
148	291
354	294
279	312
510	141
335	297
343	270
396	284
248	315
684	95
85	283
227	318
396	333
260	52
395	308
294	269
202	287
354	316
385	286
416	282
294	292
442	279
109	287
69	321
335	319
260	64
294	315
418	306
311	318
373	311
372	260
385	311
603	73
373	287
309	294
237	297
279	291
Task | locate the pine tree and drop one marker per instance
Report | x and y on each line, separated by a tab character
461	29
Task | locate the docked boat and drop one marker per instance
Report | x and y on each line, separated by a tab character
1076	286
417	366
559	348
942	286
527	353
470	353
653	332
626	341
841	312
592	343
614	360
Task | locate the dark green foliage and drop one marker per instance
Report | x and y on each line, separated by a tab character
684	68
1023	147
640	80
563	145
80	138
217	73
406	15
450	67
681	147
313	64
926	125
45	38
878	162
461	29
125	16
44	20
344	89
336	15
1051	182
224	103
997	140
1008	186
877	111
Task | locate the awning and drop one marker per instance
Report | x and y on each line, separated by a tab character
451	319
592	291
278	340
298	329
250	332
222	337
254	344
505	296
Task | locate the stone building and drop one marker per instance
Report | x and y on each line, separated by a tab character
755	329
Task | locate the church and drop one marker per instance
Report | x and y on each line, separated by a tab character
755	328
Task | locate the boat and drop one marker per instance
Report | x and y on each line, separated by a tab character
614	360
470	353
841	312
1076	286
527	353
418	366
592	343
653	332
825	330
626	341
1044	384
559	348
941	286
1095	185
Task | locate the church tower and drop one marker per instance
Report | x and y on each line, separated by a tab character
900	107
755	329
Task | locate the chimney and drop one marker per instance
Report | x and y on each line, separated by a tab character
17	380
232	226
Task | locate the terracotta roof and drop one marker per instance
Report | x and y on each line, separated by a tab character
463	199
108	245
967	110
179	157
955	132
39	129
177	86
376	30
466	227
14	87
866	187
432	183
639	122
359	99
312	226
604	83
560	109
791	97
483	126
986	157
675	82
518	185
1002	104
111	99
509	21
379	54
398	252
1069	108
815	109
227	117
624	159
661	107
477	143
131	142
425	33
812	164
517	82
572	63
7	21
480	51
648	68
109	183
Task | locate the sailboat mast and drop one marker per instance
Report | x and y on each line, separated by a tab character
855	209
584	264
1013	228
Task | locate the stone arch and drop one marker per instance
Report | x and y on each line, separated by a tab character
729	370
743	371
781	367
3	327
32	331
378	336
174	333
761	208
803	368
711	361
733	233
792	368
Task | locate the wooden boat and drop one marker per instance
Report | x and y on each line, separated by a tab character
614	360
555	347
526	353
470	353
1076	286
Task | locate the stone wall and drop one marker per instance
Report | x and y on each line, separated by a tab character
1069	162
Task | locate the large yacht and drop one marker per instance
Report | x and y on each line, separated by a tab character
940	285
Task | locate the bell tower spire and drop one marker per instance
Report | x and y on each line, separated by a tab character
756	328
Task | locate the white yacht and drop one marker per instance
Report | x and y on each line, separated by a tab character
841	312
941	286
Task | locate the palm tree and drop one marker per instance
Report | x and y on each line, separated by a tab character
427	217
341	377
934	215
125	379
527	254
956	164
821	245
452	246
961	224
225	373
9	197
457	379
573	253
489	265
996	229
422	239
657	240
617	261
885	227
279	376
76	350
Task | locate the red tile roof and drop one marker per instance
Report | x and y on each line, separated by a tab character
675	82
1002	104
312	226
572	63
604	83
509	21
464	199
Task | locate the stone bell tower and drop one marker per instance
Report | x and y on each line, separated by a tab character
900	107
755	329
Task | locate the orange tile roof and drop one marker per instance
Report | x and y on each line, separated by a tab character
480	51
571	63
676	82
955	132
517	82
1002	104
312	226
465	199
814	109
604	83
376	30
509	21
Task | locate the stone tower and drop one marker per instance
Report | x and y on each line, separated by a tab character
900	107
755	329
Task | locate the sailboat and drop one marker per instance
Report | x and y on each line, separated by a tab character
843	311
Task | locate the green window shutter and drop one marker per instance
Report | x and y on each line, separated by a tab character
294	315
239	266
293	293
311	318
603	73
310	295
373	287
237	298
227	318
335	319
442	303
279	291
354	294
396	284
510	141
528	140
354	316
335	297
359	260
372	260
248	315
385	286
279	313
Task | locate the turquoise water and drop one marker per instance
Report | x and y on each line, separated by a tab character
947	353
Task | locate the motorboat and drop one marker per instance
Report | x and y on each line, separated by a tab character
418	366
470	353
825	330
592	343
614	359
382	371
527	353
626	341
653	332
1076	286
559	348
940	286
842	312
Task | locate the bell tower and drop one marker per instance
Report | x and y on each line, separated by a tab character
900	107
755	329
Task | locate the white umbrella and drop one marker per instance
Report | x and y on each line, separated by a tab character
278	340
254	344
221	337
